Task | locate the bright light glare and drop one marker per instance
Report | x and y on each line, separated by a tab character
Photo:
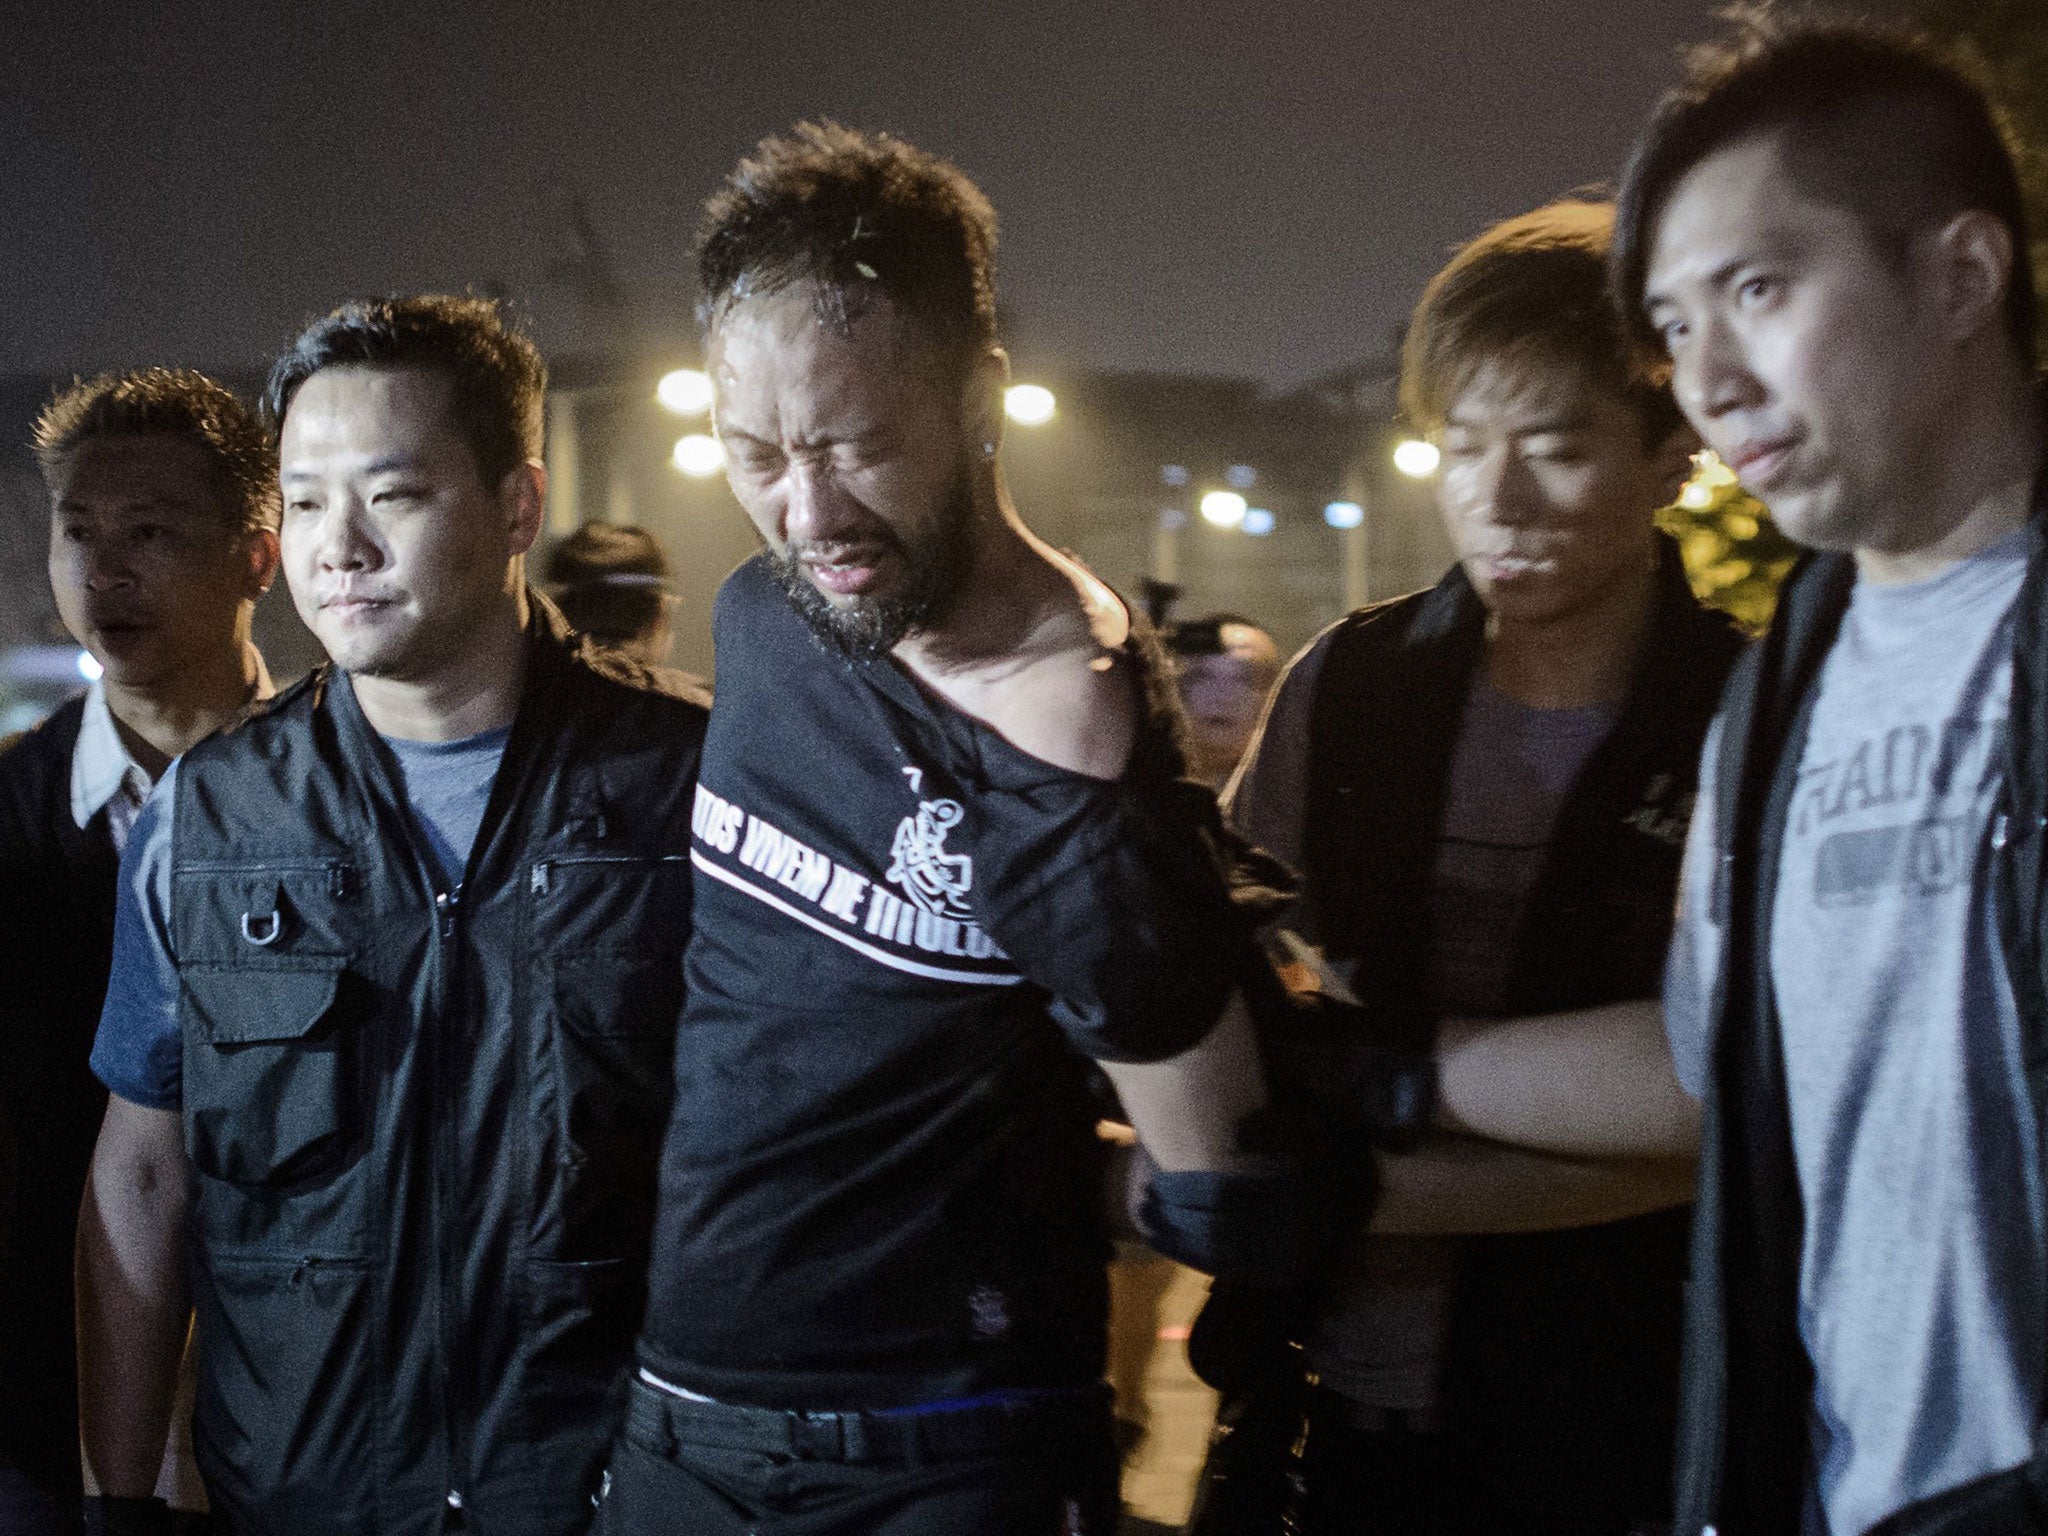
89	668
1225	509
699	456
1029	405
1344	514
686	391
1258	522
1696	497
1415	458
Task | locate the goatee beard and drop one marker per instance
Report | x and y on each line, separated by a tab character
868	629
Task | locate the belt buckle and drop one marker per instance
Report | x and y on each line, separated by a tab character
817	1436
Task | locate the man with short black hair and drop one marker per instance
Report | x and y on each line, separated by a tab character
397	973
163	534
1821	228
1224	666
944	857
1486	787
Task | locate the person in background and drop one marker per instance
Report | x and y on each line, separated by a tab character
396	980
1823	231
611	582
1225	667
163	534
1486	788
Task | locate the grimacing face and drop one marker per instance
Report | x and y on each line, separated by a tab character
395	549
849	454
1548	487
148	563
1802	353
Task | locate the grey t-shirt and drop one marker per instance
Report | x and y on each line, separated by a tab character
137	1050
1922	1299
1380	1340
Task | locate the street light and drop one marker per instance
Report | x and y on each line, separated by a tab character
686	391
699	456
1415	458
1258	521
1029	405
1344	514
1223	509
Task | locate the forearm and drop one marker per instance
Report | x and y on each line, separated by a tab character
133	1313
1188	1109
1455	1184
1593	1083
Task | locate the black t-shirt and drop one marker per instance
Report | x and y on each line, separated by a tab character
881	1184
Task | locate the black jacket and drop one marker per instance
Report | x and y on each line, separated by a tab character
57	913
1563	1346
1748	1383
424	1125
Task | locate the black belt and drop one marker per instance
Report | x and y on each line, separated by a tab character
663	1421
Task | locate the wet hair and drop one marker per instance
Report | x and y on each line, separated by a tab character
854	215
174	403
497	379
1531	289
609	581
1872	119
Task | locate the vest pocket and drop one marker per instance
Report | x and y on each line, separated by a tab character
286	1416
610	1058
263	1069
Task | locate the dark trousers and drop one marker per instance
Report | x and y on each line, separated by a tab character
1378	1482
1046	1467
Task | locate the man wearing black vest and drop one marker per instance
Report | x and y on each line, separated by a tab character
944	856
397	973
1486	787
1823	230
163	533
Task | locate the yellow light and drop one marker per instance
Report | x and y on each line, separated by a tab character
1029	405
1224	509
1415	458
699	456
1696	497
687	392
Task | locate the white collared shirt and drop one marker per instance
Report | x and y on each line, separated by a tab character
103	773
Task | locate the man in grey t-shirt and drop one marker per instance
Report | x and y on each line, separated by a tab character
1913	1128
1822	231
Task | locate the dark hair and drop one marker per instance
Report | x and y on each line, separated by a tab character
1531	287
176	403
498	379
1203	636
1873	119
609	580
854	214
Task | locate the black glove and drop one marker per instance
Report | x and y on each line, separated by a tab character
1255	1226
108	1515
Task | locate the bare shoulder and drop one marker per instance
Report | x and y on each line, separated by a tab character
1070	697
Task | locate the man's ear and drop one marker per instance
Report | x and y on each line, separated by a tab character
1970	268
981	403
260	556
523	498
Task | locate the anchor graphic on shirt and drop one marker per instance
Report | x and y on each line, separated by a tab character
934	879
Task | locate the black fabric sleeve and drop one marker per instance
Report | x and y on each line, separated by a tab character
1132	906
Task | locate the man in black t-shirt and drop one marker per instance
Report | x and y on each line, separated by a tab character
943	856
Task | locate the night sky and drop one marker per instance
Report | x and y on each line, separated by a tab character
1232	188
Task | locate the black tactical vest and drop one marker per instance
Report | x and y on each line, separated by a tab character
424	1124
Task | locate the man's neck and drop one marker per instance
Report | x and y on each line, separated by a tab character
1019	602
1581	658
1978	488
158	724
476	691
